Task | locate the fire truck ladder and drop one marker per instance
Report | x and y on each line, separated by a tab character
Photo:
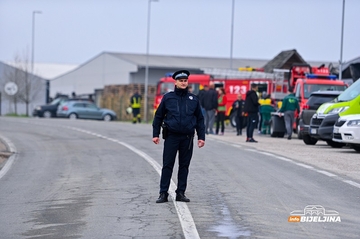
234	74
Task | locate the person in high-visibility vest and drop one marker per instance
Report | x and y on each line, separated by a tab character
265	110
221	109
135	103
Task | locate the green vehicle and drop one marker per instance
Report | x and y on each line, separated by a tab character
322	123
346	103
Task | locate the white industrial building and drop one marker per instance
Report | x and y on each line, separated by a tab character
14	104
110	68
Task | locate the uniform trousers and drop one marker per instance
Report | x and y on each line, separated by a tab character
289	118
239	123
184	145
251	124
209	121
136	115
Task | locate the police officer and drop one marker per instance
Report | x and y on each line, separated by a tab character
135	102
179	113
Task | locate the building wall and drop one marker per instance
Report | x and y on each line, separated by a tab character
11	106
102	70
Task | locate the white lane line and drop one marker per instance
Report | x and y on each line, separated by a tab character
352	183
334	176
11	159
305	165
184	214
266	153
326	173
284	159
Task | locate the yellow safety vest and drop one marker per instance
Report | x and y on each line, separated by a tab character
135	102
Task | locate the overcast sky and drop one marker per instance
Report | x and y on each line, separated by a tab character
74	31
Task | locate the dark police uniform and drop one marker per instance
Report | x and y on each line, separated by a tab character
180	112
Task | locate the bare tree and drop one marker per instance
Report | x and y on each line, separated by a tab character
29	86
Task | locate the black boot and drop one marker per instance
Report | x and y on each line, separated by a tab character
180	196
162	198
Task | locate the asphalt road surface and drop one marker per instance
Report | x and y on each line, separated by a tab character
94	179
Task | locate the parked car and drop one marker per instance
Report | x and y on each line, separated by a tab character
347	130
84	110
322	127
49	110
316	99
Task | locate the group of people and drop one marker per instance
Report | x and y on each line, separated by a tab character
181	114
213	106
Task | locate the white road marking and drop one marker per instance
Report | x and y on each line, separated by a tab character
334	176
11	159
352	183
184	214
326	173
305	165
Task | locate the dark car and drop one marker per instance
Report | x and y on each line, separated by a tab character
315	100
84	110
49	110
321	128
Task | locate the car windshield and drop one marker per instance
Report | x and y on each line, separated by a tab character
309	88
57	101
316	100
166	87
350	93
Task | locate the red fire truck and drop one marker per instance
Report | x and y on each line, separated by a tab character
304	79
234	82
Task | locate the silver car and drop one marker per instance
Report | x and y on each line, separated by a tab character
84	110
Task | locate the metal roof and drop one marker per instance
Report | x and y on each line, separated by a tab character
164	61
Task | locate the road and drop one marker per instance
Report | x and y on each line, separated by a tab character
93	179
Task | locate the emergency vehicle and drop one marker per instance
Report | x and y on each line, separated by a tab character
304	79
234	82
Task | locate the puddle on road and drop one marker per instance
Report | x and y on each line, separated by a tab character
227	227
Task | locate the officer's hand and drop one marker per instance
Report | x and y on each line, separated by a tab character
156	140
201	143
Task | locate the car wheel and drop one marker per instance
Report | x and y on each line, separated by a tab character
299	134
107	117
334	144
309	140
73	116
47	114
233	119
356	148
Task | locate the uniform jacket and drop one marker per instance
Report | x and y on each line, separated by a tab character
210	100
135	100
290	102
181	113
251	102
266	106
240	109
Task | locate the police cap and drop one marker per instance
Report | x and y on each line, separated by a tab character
182	74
